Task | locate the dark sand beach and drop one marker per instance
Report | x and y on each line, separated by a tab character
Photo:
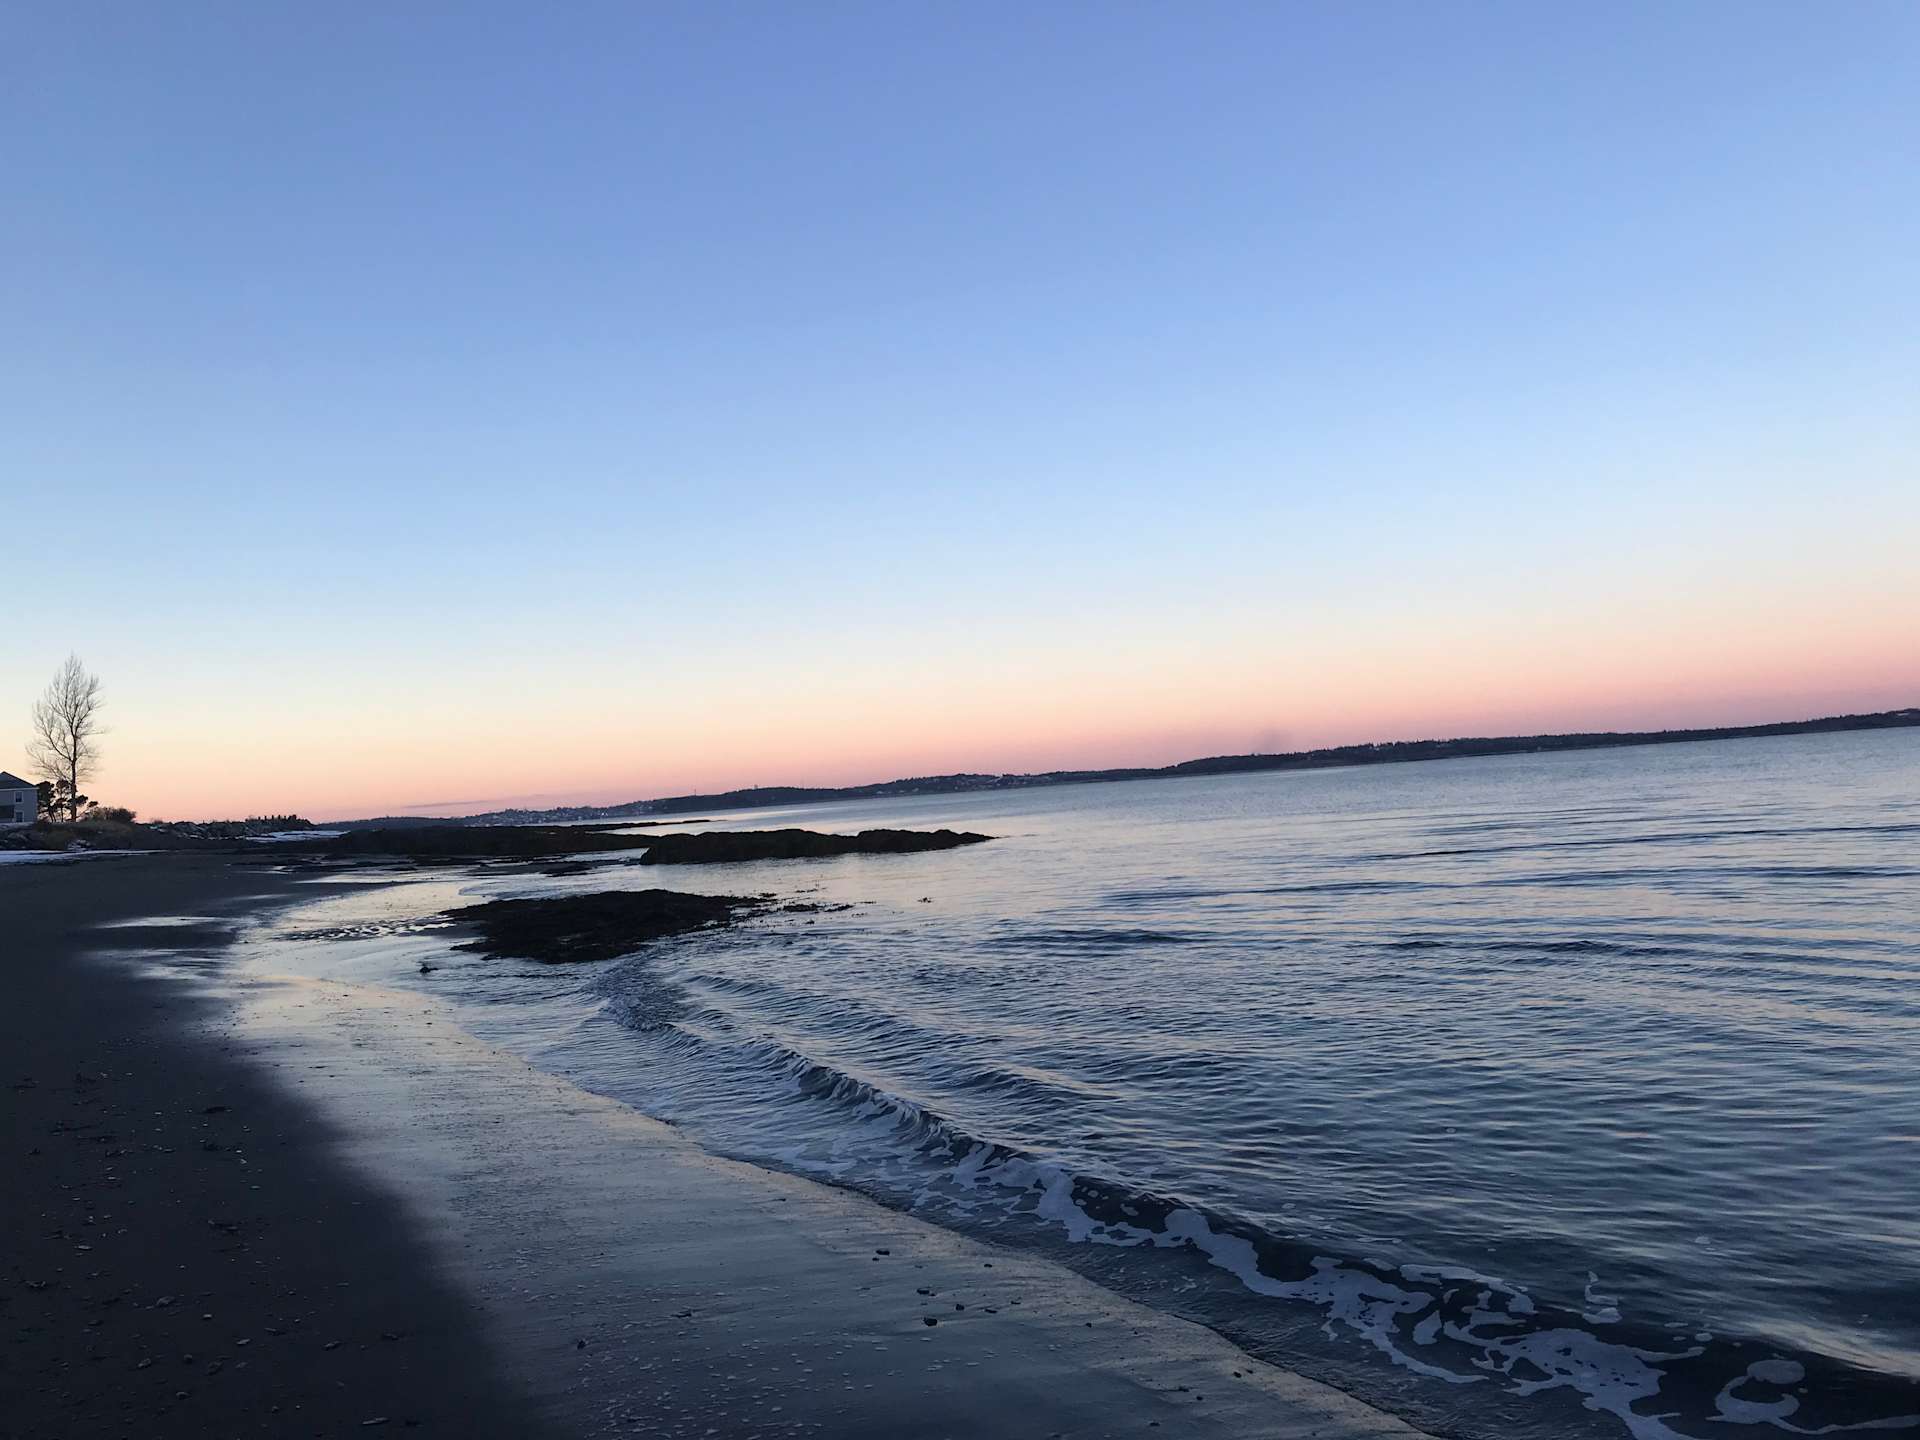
186	1254
247	1205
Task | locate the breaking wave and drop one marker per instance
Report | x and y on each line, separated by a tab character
1445	1323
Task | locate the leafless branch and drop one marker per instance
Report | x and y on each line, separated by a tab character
66	731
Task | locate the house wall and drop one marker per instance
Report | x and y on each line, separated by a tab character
19	807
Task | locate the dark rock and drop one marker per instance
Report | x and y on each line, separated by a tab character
593	927
460	842
573	867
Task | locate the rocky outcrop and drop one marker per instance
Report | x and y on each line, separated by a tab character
459	842
594	927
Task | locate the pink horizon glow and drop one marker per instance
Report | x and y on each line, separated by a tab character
398	783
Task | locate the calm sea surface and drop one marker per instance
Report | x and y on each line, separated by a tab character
1539	1095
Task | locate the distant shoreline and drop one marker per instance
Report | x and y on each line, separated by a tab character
1391	752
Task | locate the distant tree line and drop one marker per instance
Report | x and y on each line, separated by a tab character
1380	753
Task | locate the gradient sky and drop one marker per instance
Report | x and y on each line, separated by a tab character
429	404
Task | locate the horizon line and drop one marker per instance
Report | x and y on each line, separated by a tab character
1172	770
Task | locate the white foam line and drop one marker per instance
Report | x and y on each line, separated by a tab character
1781	1372
1610	1378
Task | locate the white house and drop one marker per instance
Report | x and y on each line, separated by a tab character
19	800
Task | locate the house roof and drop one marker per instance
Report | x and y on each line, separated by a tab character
13	782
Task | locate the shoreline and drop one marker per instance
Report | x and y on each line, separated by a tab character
184	1255
580	1269
1339	757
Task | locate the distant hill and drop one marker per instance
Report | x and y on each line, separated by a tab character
1389	752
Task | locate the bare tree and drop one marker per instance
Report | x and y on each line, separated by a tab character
66	732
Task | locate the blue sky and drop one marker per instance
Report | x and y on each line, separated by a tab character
995	387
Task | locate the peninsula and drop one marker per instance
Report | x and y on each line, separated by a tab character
1387	752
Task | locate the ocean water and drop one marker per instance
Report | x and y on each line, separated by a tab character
1553	1095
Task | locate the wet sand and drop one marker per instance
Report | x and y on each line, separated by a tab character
184	1253
547	1261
